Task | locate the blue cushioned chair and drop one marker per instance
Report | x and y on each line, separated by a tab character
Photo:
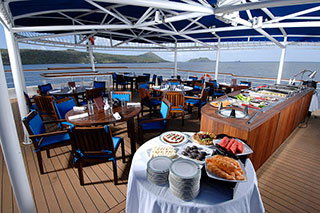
100	84
198	101
41	139
31	106
95	144
156	124
216	91
63	106
177	101
193	78
122	94
147	76
44	105
248	83
44	89
120	80
147	100
154	78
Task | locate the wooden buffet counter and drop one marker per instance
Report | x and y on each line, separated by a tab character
269	129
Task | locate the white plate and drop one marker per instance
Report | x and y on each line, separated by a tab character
159	164
214	176
203	149
185	169
186	138
246	149
196	143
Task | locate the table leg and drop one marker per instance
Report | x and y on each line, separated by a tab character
131	135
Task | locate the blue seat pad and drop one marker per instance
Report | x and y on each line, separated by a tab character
153	125
193	101
49	140
218	93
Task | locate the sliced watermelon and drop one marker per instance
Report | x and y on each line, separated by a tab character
240	147
224	142
233	147
229	144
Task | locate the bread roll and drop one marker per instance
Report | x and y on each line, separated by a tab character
216	170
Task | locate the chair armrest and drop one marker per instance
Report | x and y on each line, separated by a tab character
192	97
48	134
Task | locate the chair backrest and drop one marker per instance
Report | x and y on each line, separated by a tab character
176	98
62	106
143	85
141	79
215	84
246	82
28	100
114	76
204	95
234	82
91	140
211	88
197	85
120	78
34	125
122	94
143	94
160	80
93	93
165	108
44	105
154	78
99	84
147	75
43	89
174	81
193	78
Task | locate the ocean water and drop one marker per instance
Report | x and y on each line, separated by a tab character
256	69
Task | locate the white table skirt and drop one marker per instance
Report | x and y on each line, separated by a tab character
145	197
314	105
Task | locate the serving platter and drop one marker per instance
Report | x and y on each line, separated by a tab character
214	176
246	149
173	134
182	149
214	141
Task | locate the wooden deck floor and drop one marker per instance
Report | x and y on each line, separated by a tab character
288	181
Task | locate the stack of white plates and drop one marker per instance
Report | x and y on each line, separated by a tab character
184	179
158	170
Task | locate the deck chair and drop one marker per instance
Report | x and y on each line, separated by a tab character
95	144
41	139
62	106
122	94
44	88
147	100
120	80
176	98
198	101
44	105
94	93
156	124
100	84
30	105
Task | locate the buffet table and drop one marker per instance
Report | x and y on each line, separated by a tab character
267	131
143	196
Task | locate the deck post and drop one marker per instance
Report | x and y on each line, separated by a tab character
282	57
18	77
90	50
217	61
175	61
12	151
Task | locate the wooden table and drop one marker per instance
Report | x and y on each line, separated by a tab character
102	118
68	92
269	129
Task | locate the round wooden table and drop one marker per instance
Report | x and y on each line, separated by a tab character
100	117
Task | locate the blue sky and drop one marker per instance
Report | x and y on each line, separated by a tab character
305	55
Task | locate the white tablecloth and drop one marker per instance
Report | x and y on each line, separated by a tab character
314	105
145	197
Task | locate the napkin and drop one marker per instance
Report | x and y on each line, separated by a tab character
79	108
117	116
55	91
134	104
73	117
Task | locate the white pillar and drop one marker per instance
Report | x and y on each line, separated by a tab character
90	49
12	152
20	65
17	75
283	54
217	61
175	62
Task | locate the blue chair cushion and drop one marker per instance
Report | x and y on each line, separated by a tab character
153	125
99	84
193	101
155	102
177	109
45	88
49	140
116	142
64	107
33	107
120	96
197	88
144	86
218	93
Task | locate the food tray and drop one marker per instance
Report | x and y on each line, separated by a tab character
186	138
214	176
200	148
246	149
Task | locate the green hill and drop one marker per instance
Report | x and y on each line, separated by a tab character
201	59
29	56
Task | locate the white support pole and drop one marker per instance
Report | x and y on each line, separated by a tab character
18	77
175	62
20	65
217	61
283	54
12	152
90	49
